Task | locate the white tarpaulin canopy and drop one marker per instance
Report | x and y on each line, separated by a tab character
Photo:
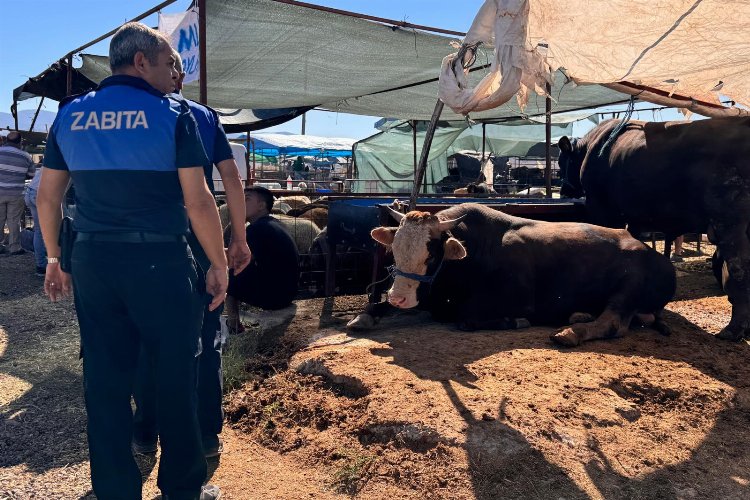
697	49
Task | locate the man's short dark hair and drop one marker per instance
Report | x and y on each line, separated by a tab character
264	193
14	137
132	38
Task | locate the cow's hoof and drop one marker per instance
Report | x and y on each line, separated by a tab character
663	328
520	323
580	317
362	322
566	338
731	335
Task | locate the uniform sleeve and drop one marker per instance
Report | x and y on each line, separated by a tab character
222	149
190	151
53	158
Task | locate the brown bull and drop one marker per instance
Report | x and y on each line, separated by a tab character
488	270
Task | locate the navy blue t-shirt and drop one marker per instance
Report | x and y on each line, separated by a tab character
213	137
123	144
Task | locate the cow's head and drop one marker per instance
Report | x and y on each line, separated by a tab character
420	244
570	161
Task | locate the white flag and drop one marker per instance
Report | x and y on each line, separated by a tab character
182	31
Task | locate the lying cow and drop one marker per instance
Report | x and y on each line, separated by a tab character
672	177
488	270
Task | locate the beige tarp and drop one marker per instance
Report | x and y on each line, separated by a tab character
698	49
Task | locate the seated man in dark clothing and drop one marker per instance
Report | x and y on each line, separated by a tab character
270	280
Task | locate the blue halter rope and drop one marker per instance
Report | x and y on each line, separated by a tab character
422	278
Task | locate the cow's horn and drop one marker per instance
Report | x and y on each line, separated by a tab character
447	225
396	215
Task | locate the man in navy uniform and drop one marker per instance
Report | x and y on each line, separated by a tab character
136	161
210	390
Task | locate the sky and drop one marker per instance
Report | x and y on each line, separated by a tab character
43	31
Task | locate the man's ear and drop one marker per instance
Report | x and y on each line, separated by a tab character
383	235
453	249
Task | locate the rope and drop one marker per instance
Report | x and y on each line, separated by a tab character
620	126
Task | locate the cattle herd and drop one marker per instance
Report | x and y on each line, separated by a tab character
484	269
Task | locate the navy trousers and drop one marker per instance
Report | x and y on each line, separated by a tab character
129	295
210	382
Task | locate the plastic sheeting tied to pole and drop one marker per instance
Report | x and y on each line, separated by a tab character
681	53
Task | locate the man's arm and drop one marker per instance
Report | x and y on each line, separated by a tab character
52	188
204	218
238	253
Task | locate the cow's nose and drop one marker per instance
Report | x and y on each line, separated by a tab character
396	300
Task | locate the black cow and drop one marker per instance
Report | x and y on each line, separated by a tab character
490	270
672	177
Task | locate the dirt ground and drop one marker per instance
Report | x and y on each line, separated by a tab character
416	409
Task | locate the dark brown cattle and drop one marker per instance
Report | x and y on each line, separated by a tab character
672	177
488	270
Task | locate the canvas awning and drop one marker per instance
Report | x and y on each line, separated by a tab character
670	52
263	54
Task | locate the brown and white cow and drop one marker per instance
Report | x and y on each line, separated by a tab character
672	177
488	270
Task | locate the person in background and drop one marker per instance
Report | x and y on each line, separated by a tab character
16	166
210	381
135	279
271	279
40	252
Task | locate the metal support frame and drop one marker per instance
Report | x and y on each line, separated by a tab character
429	134
202	50
33	121
548	140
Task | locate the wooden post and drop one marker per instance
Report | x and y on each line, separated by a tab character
429	134
414	145
484	139
69	76
548	140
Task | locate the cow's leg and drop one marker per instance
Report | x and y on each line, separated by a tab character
368	318
481	312
651	320
734	244
609	324
580	317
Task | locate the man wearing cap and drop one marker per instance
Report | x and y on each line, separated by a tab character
16	166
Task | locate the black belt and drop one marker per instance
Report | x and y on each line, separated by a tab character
131	237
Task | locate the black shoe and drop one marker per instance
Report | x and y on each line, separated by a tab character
212	447
144	447
41	271
18	252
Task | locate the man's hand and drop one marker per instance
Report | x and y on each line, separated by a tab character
57	283
238	256
217	281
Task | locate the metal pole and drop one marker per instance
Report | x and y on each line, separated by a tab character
69	76
14	111
414	145
429	134
303	123
202	50
33	121
484	139
548	140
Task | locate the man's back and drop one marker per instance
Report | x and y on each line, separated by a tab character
15	166
270	280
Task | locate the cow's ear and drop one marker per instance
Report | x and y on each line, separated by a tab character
564	144
383	235
453	249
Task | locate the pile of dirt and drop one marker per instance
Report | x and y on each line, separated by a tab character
418	409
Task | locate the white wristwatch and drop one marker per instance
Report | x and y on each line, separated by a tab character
53	260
